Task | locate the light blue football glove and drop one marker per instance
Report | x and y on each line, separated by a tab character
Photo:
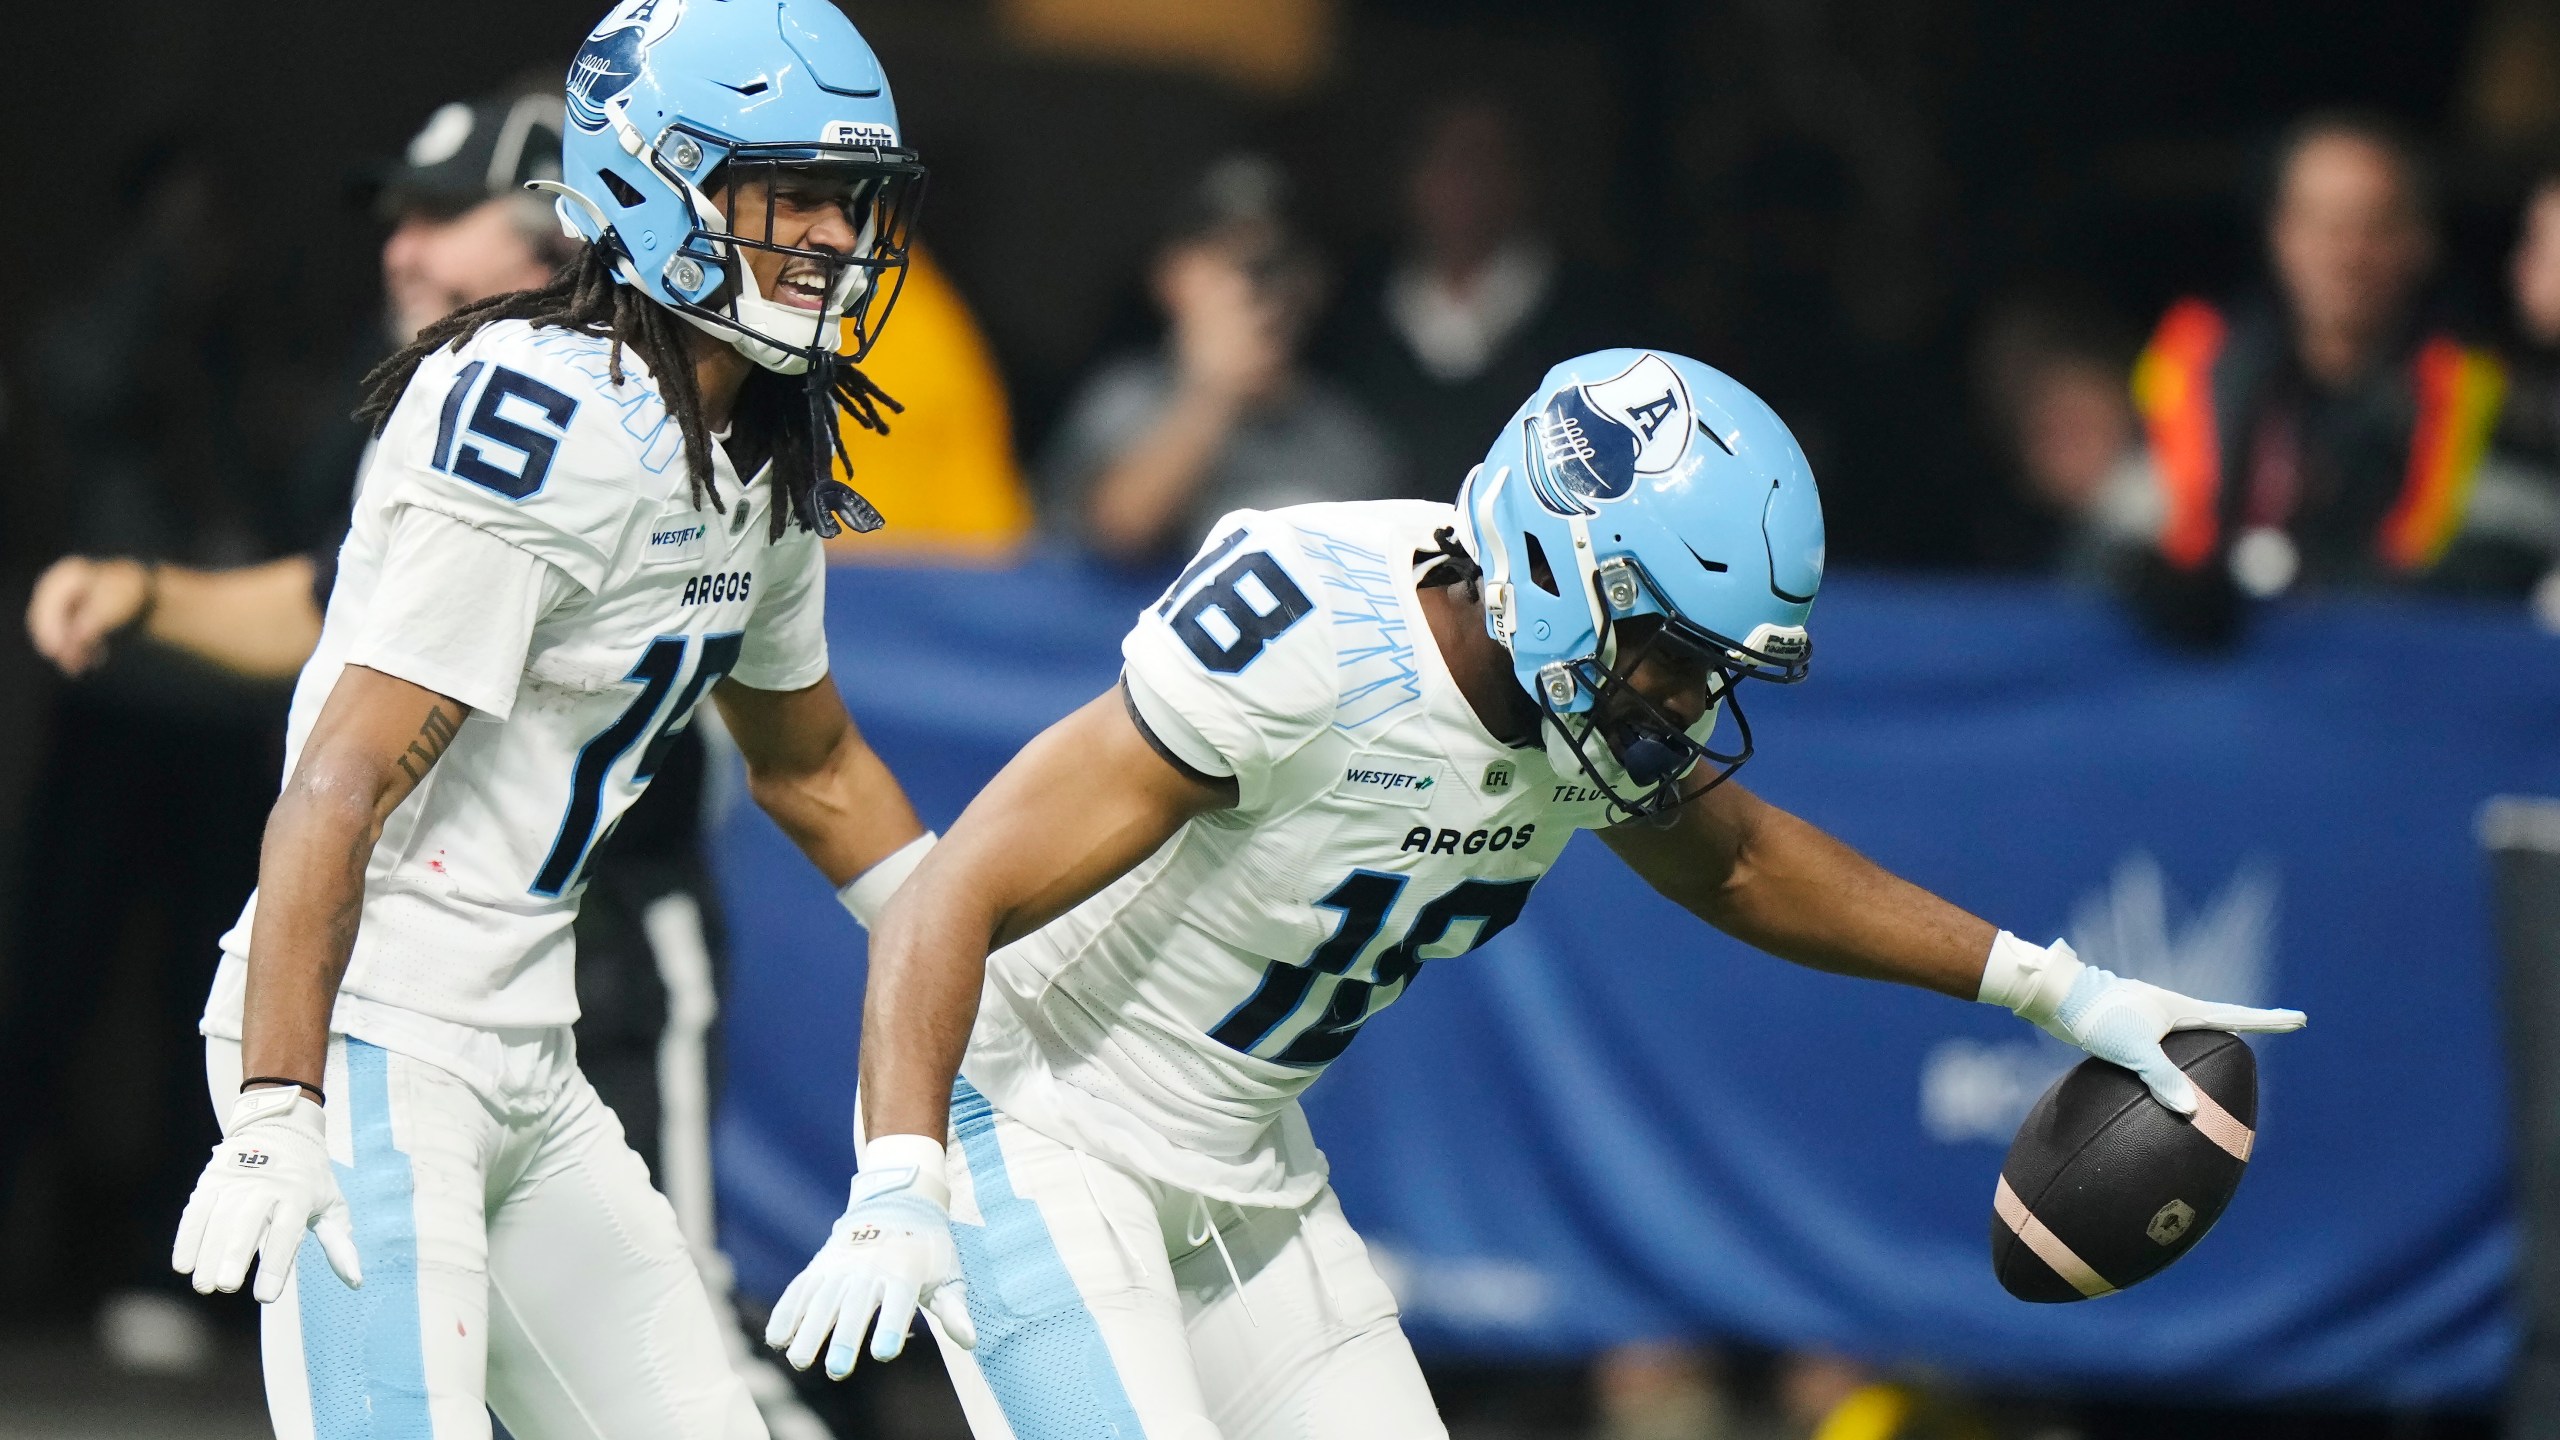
2118	1020
890	1251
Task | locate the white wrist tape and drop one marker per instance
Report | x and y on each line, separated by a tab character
922	1153
867	894
2030	980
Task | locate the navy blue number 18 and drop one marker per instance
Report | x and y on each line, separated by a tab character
1244	624
1364	900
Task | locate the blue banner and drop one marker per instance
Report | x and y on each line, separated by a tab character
1613	1123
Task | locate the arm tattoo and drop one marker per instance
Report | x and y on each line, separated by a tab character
434	734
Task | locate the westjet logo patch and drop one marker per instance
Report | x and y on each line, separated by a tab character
1394	782
677	542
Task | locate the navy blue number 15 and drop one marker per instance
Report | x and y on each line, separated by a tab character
660	669
537	406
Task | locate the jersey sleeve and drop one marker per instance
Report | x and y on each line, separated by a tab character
454	610
508	438
786	643
1233	669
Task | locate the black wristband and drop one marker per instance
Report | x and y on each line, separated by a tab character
317	1096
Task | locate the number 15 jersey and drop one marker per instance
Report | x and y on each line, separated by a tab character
524	541
1170	1022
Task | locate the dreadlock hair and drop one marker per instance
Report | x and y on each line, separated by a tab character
1447	561
795	433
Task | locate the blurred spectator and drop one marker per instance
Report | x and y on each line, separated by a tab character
2527	453
1473	306
2050	371
945	475
2334	435
1660	1390
1225	416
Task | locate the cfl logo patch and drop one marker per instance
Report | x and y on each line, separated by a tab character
251	1159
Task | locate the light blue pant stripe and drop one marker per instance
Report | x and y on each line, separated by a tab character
360	1348
1038	1344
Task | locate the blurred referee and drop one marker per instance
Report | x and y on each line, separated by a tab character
464	228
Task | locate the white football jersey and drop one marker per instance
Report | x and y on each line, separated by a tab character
1171	1021
645	603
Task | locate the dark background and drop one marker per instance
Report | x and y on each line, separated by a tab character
1816	196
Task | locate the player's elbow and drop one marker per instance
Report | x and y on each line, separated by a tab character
333	791
800	798
936	902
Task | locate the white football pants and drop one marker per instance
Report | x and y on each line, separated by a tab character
515	1259
1106	1306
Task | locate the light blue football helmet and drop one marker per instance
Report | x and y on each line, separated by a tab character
1636	483
670	100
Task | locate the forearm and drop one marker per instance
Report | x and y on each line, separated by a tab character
260	621
1144	490
1803	896
311	874
846	814
375	740
928	960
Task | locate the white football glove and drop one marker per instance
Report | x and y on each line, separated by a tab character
268	1181
890	1250
2115	1019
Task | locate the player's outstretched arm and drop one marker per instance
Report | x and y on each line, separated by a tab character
810	769
258	620
375	739
1769	879
1080	806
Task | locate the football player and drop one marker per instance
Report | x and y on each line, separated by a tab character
1349	739
590	506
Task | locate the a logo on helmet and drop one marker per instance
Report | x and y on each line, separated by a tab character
612	57
1590	442
859	132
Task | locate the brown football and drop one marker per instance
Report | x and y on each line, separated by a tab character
2104	1186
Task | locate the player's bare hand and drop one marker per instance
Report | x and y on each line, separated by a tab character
79	603
891	1253
1229	338
268	1181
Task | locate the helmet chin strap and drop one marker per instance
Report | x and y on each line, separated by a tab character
761	322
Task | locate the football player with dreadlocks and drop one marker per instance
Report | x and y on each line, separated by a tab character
590	506
1349	739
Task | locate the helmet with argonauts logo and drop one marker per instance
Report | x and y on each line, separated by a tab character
1632	484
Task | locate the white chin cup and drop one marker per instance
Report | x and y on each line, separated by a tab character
777	336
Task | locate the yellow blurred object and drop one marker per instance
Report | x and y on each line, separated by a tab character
945	476
1871	1412
1276	46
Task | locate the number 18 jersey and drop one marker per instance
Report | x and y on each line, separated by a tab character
1170	1022
524	541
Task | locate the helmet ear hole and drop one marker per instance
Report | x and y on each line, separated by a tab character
624	193
1541	573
